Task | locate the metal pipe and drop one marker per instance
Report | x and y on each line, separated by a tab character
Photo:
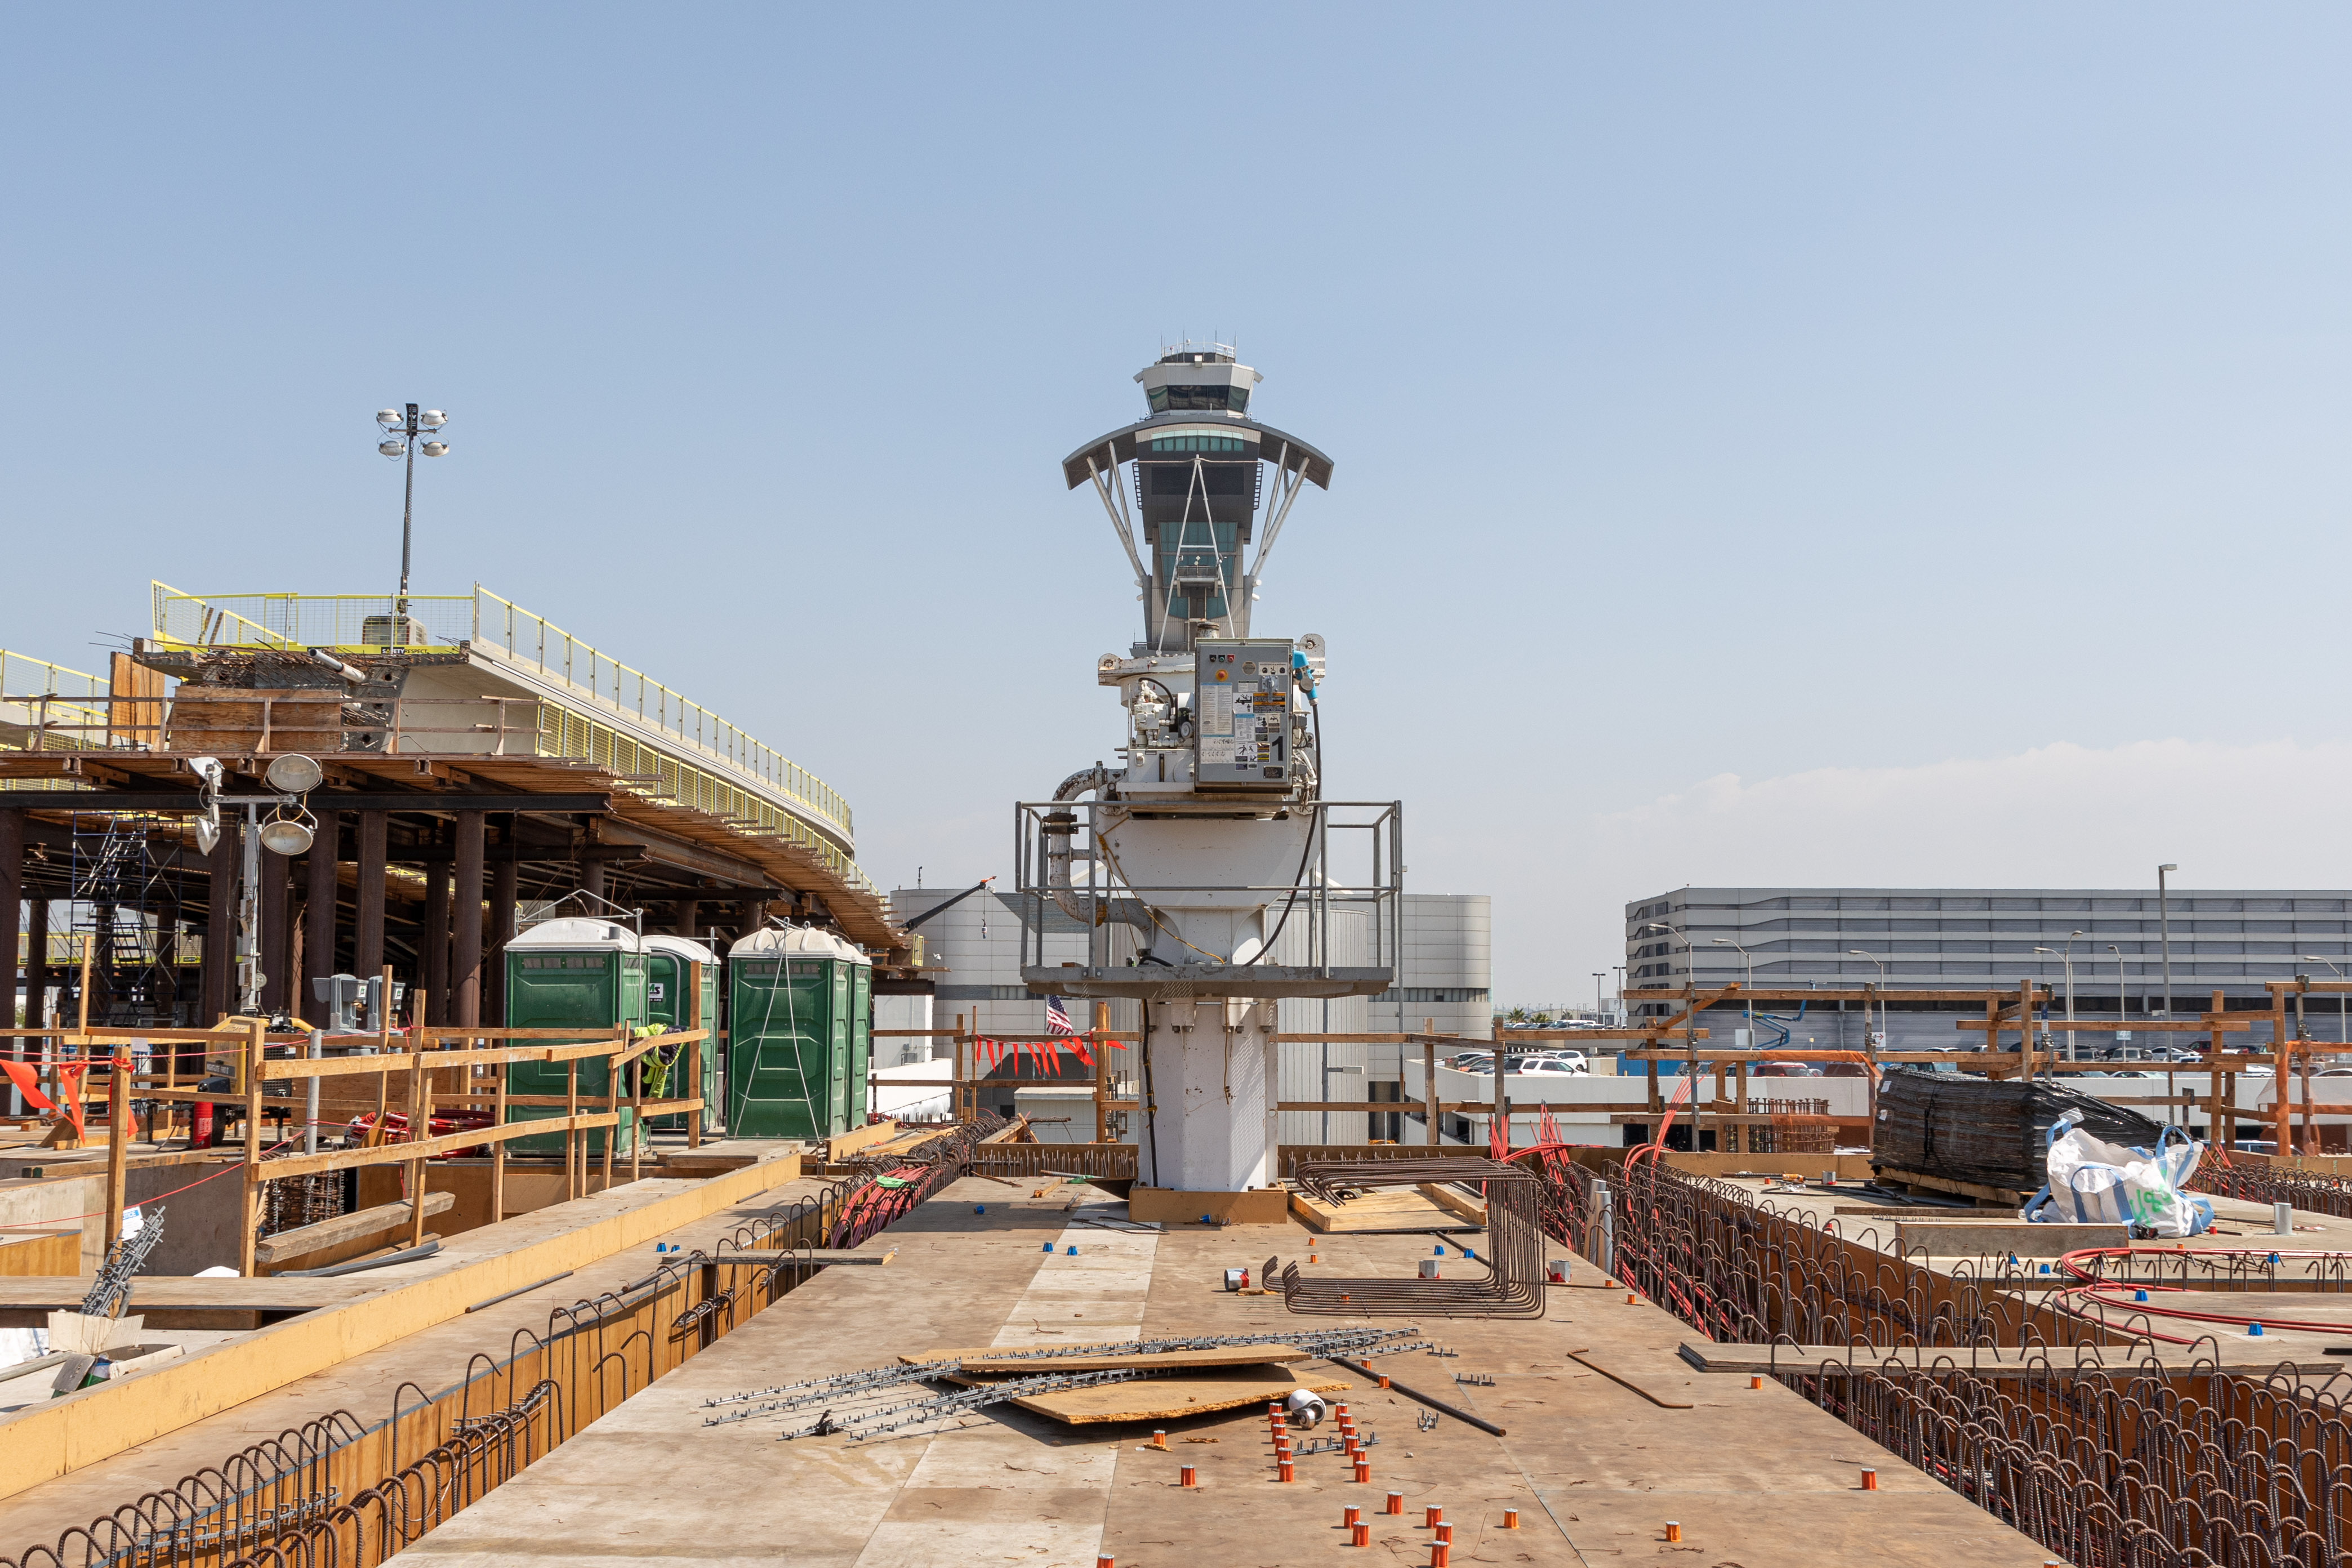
311	1097
1360	1370
409	1255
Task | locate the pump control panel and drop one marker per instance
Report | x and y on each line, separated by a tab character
1241	714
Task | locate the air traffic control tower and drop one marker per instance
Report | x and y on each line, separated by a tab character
1211	873
1200	467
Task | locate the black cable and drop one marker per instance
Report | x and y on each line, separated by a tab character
1298	877
1150	1103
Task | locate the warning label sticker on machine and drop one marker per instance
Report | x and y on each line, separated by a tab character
1216	712
1216	749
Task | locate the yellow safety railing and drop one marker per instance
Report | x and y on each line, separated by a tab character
445	622
353	622
659	775
45	706
517	633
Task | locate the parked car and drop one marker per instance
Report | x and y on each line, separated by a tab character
1784	1069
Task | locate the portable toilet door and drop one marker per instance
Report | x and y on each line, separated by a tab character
861	1038
848	1106
670	960
786	1052
588	974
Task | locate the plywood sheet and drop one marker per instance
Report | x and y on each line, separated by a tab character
993	1363
1169	1398
1383	1208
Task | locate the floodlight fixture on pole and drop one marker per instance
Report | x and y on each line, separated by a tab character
401	443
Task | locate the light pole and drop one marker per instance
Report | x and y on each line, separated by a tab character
2164	931
1598	975
1749	969
2068	957
2343	1033
1690	1013
2122	1012
401	443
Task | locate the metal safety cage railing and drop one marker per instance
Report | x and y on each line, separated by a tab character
357	623
446	623
45	706
1370	839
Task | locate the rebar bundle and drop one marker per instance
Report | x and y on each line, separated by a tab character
1513	1283
110	1290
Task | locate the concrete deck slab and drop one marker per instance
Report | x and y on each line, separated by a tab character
1759	1479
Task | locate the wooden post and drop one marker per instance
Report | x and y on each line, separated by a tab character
249	1204
613	1102
1429	1082
499	1155
118	1138
2302	1056
637	1109
1869	1061
1742	1134
12	893
2282	1137
1502	1119
2025	1028
2213	1033
1102	1072
958	1107
572	1171
420	1127
367	896
694	1020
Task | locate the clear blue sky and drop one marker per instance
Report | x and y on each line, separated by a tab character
1785	392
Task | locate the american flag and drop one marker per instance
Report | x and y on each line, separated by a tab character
1057	1017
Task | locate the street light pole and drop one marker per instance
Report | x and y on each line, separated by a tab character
2068	958
1598	975
400	432
2164	931
1749	969
1885	1019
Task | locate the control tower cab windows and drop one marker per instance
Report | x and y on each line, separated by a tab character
1192	399
1195	444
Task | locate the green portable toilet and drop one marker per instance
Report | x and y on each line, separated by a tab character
861	1033
582	973
668	959
788	1035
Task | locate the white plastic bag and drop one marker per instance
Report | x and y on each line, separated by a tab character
2097	1183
